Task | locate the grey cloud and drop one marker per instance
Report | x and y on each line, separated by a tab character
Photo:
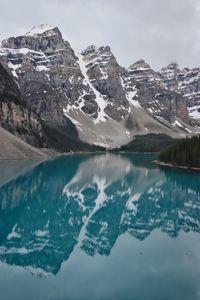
159	31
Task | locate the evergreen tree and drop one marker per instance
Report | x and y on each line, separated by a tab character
185	152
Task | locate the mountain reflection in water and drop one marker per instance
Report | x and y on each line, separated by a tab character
88	201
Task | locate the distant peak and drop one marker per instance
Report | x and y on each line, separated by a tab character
105	48
36	30
173	66
140	64
90	49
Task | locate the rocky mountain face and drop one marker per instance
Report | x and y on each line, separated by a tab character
15	116
105	74
186	82
108	104
153	95
24	120
43	65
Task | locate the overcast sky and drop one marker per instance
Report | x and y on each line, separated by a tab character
159	31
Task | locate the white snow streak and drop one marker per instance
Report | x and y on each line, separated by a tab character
101	102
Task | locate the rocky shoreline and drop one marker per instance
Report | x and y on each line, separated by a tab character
160	163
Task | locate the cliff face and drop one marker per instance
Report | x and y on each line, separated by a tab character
154	96
15	116
48	74
186	82
104	74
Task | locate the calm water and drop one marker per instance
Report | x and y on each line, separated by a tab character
98	227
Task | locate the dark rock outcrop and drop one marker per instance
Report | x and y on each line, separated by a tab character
153	95
15	116
187	83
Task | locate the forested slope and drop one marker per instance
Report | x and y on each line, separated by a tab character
185	152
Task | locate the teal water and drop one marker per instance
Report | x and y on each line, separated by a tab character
99	227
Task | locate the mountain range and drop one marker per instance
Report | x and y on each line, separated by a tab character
53	97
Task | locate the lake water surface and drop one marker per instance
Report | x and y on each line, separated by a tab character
97	227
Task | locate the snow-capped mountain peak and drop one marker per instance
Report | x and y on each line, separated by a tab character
173	66
90	49
41	29
140	64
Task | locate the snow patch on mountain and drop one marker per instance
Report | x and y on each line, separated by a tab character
101	102
36	30
130	90
74	121
14	68
194	112
177	123
39	58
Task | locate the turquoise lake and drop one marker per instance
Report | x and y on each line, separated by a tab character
101	226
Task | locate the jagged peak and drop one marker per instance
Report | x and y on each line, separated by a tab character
94	50
140	64
41	29
105	49
90	50
173	66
